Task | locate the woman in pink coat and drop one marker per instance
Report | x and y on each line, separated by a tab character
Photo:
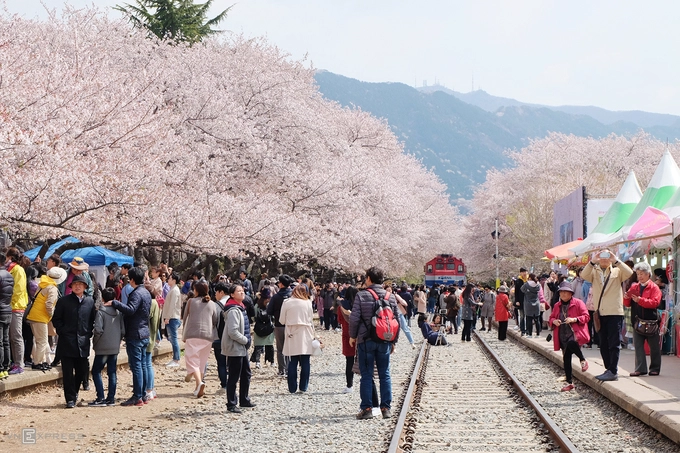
569	322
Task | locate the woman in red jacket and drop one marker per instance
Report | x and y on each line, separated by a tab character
503	307
643	298
569	322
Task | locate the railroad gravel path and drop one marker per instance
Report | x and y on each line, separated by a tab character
321	420
592	422
466	406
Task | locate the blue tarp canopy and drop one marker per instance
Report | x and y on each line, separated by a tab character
94	256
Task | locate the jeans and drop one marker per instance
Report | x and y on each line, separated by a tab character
430	304
304	373
149	374
5	320
221	363
572	348
372	353
405	328
135	350
111	362
239	372
654	343
610	341
16	338
172	326
75	371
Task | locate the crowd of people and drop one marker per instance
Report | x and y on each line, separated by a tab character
57	314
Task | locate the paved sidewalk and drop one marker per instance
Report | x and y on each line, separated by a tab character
30	378
655	400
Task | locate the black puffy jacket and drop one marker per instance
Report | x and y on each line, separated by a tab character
74	323
6	290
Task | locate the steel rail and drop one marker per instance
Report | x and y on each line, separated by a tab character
406	405
556	433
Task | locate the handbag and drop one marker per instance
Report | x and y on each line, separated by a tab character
645	327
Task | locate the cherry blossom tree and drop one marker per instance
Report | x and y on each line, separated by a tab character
523	197
224	147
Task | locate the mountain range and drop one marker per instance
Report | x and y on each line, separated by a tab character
462	135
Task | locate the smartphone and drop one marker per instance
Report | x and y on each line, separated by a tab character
605	255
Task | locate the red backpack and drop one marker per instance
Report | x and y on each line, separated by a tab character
384	326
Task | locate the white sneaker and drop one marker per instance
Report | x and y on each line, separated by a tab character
339	329
257	365
413	345
348	390
515	328
172	364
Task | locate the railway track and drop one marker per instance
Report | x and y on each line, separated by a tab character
468	401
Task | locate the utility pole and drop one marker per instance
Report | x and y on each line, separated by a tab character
496	235
498	280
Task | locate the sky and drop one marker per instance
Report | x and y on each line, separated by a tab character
618	55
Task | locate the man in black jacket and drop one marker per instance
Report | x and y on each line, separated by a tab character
6	291
136	320
74	321
519	299
274	309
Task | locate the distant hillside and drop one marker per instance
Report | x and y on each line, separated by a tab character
491	103
459	140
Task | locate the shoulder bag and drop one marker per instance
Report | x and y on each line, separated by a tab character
596	314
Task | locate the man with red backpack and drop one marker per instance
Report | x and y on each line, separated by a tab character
374	328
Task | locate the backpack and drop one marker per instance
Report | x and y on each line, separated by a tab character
384	326
263	324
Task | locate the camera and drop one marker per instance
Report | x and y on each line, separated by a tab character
605	254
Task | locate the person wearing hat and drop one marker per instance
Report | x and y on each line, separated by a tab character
569	323
74	321
41	314
274	309
503	311
78	267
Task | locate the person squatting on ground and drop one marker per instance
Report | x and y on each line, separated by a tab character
644	297
431	336
607	276
370	351
569	322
